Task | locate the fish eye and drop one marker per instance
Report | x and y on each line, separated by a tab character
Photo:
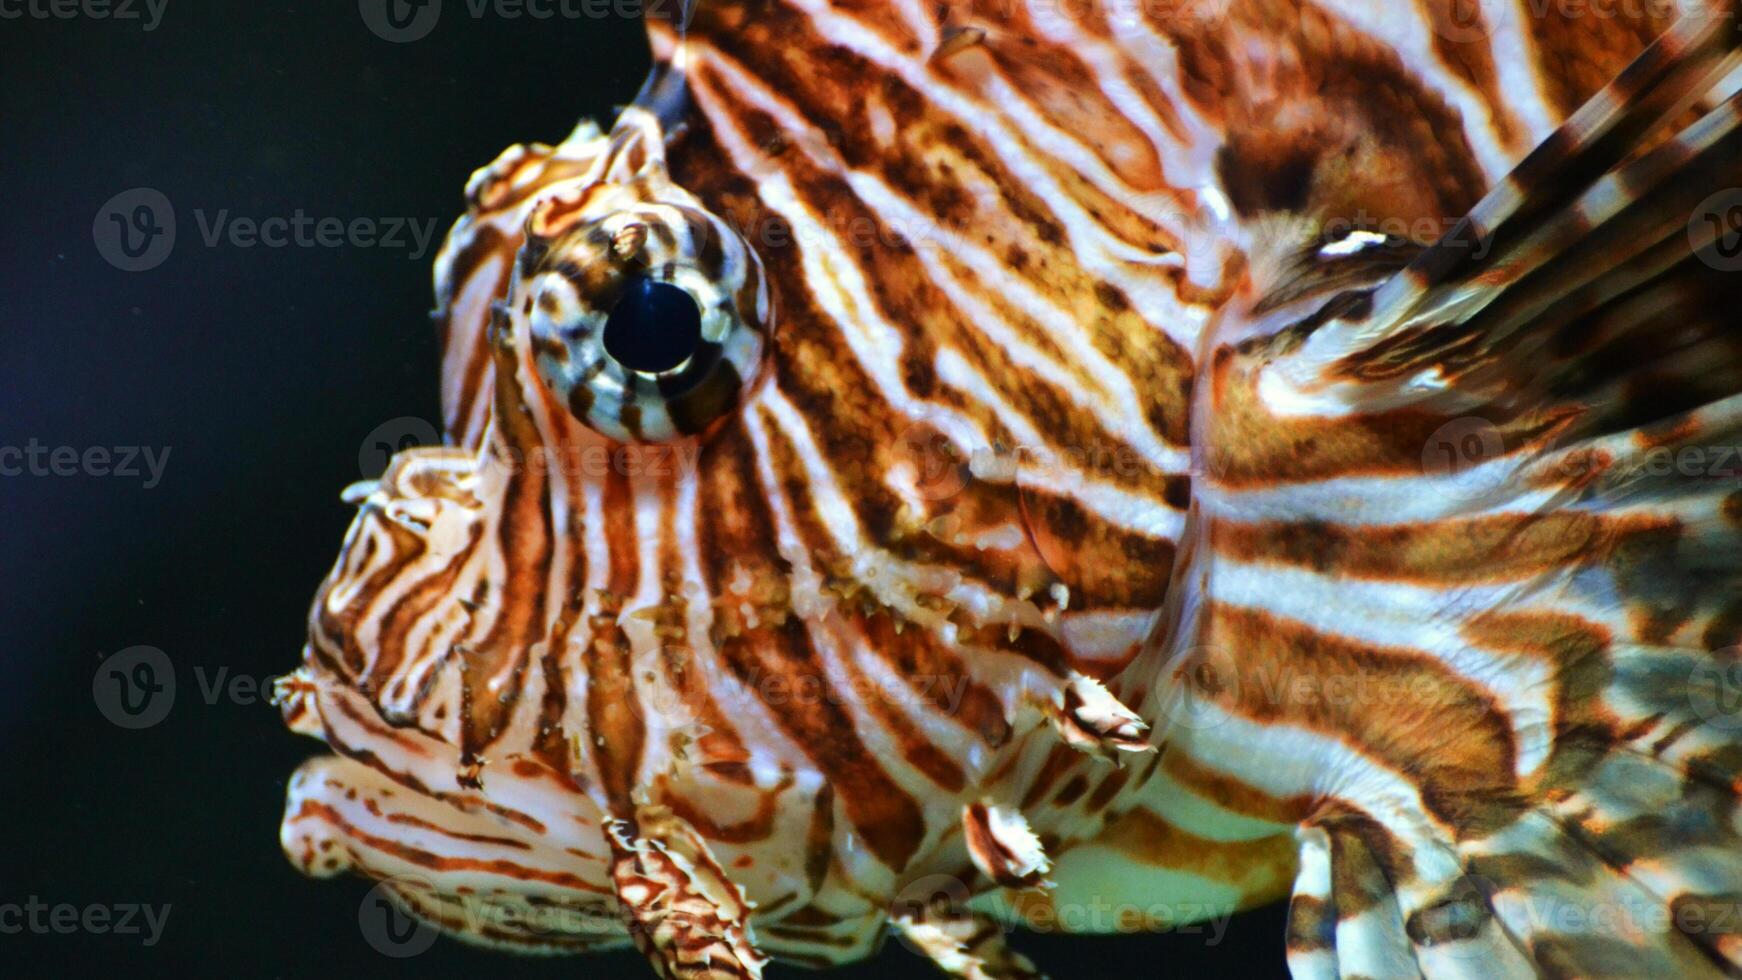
648	322
654	327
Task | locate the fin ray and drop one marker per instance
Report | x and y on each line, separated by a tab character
1574	603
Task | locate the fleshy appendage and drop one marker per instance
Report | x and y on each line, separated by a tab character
483	867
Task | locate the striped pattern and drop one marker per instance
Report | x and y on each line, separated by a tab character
1069	405
1443	592
586	239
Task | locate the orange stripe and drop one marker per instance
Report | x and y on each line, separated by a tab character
312	809
1406	710
1501	548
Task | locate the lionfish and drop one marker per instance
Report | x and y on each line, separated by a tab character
935	467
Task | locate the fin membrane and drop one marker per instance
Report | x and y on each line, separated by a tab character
1503	489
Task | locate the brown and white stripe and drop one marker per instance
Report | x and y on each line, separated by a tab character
1051	420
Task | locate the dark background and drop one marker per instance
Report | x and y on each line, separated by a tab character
265	373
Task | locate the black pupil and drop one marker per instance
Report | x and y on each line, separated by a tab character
654	327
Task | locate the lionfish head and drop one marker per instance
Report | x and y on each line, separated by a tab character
722	563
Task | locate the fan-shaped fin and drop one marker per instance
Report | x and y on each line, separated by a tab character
1468	533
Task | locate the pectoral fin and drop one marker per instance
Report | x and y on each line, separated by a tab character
683	911
1469	533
